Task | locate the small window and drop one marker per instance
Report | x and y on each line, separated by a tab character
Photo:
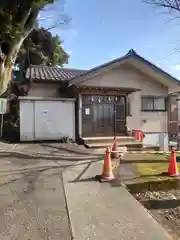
153	104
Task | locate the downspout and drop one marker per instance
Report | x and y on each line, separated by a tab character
177	94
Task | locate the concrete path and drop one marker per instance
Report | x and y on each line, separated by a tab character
102	211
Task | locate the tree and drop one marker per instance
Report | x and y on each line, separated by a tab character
40	47
172	6
17	20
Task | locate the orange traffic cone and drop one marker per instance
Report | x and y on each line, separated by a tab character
114	149
173	170
107	174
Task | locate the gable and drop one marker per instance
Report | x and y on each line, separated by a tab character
126	76
136	61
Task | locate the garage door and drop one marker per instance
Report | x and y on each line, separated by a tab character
46	119
53	120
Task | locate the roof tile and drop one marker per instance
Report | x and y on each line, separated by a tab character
46	73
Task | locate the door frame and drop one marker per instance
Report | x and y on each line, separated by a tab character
80	110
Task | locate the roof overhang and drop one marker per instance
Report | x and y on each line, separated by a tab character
125	90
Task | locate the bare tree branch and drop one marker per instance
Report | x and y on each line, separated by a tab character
171	5
63	21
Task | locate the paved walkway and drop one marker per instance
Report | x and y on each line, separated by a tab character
32	201
33	178
102	211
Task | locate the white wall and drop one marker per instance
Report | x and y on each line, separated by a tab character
47	119
130	77
157	139
44	90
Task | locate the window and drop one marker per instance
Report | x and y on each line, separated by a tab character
151	104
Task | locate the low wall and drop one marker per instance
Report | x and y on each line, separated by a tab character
157	139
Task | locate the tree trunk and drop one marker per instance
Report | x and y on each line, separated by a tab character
5	76
6	65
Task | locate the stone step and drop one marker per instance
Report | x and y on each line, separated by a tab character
144	149
132	144
98	142
108	139
102	150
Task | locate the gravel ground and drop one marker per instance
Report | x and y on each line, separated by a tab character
165	208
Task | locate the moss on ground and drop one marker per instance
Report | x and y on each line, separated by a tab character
152	169
149	171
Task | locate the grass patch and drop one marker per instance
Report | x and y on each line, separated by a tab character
152	169
150	176
147	173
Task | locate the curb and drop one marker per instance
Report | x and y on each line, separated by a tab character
66	199
151	152
68	211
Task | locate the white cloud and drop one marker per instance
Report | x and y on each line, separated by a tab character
42	16
176	67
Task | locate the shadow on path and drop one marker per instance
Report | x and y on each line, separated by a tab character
89	179
20	155
76	151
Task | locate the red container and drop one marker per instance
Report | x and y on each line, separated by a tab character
141	136
138	134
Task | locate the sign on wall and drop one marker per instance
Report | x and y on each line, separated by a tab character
3	105
45	112
87	111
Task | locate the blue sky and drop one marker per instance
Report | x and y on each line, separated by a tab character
102	30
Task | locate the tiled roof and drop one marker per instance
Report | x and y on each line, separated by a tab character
46	73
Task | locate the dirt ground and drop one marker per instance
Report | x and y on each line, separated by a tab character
165	208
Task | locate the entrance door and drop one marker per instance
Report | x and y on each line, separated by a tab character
103	119
103	115
120	116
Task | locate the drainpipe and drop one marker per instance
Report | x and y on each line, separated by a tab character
178	119
114	120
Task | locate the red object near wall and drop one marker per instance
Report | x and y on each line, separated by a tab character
141	136
138	134
173	169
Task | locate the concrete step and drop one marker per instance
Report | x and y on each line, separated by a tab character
144	149
108	139
101	150
98	142
109	144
